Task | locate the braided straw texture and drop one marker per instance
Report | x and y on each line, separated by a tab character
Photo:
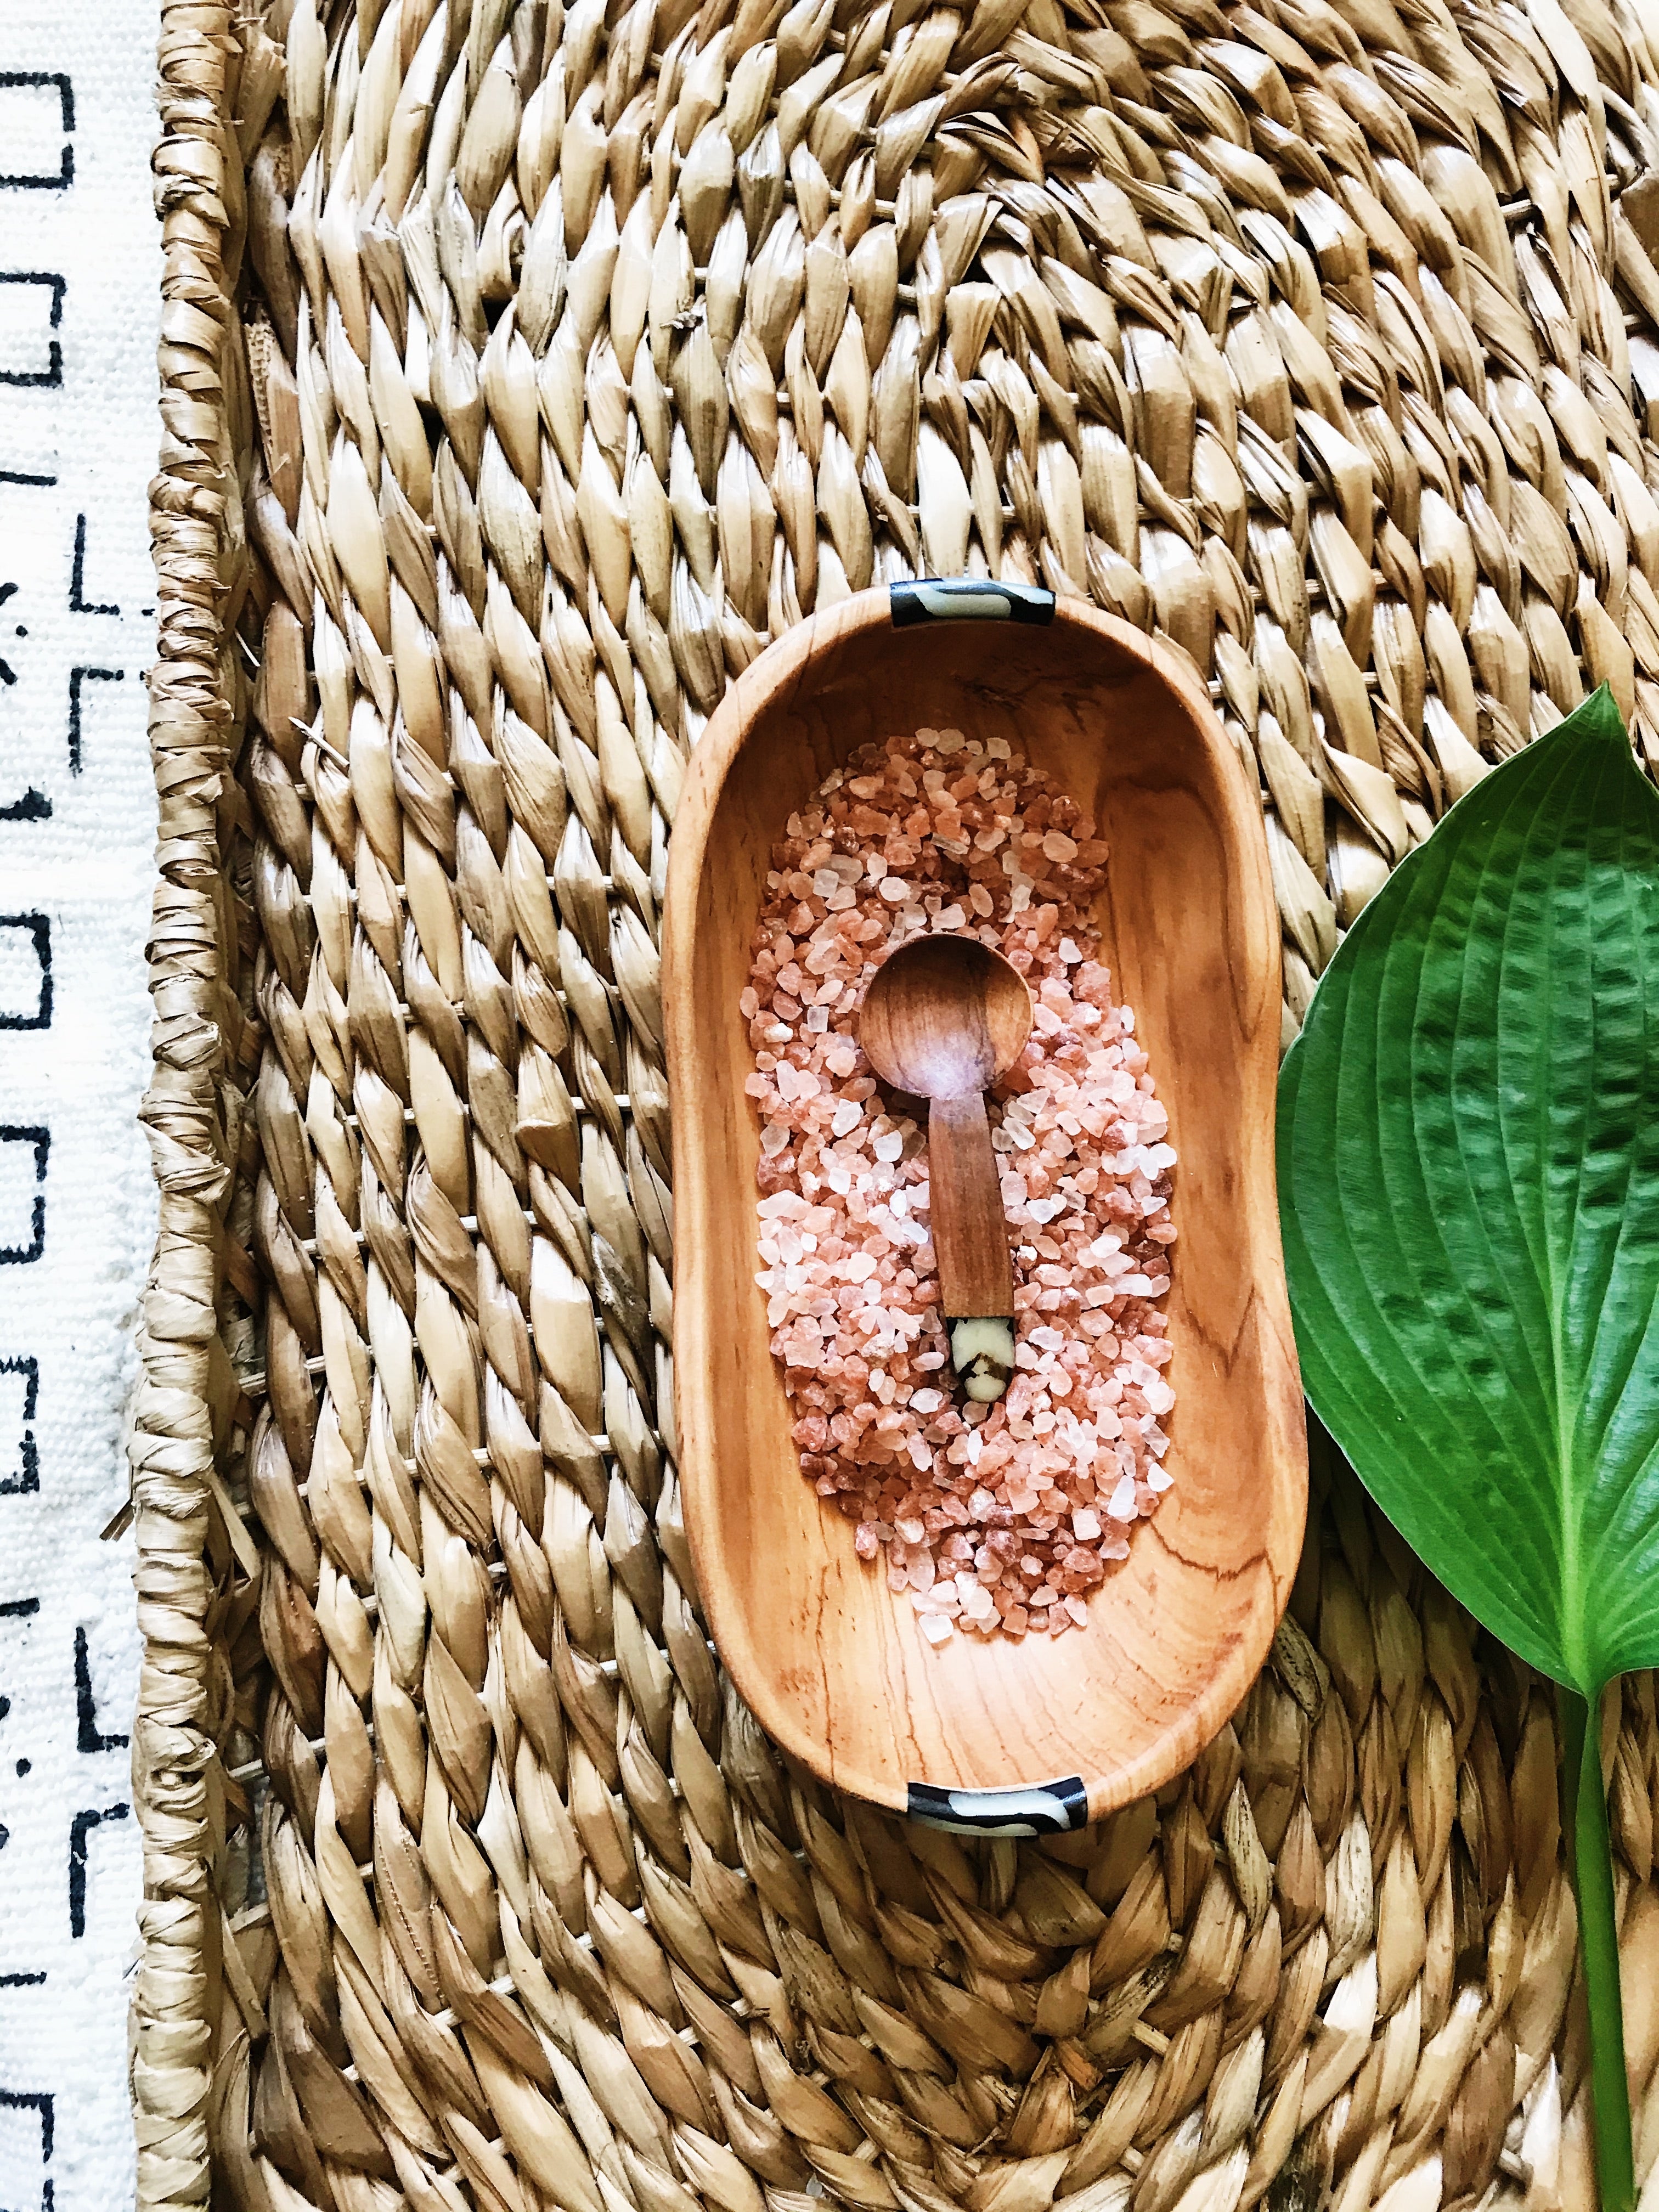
524	368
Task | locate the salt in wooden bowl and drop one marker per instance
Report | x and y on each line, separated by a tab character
998	1736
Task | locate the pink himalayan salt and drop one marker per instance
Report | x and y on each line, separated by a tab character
998	1520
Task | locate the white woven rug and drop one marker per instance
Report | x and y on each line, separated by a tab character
79	294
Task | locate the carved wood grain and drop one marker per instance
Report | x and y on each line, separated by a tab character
832	1665
965	1211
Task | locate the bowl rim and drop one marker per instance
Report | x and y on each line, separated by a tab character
783	665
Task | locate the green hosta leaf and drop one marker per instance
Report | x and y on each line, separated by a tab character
1469	1173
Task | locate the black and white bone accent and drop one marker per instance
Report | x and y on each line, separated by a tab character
1047	1808
969	598
982	1354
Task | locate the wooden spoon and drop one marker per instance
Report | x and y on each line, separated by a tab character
942	1018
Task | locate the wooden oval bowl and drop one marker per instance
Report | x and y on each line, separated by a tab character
832	1665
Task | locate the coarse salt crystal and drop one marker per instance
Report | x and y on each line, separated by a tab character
850	1282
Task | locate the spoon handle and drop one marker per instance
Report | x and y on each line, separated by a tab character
970	1229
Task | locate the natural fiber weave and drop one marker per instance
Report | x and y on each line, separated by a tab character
524	368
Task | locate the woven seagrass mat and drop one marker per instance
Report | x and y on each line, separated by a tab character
524	368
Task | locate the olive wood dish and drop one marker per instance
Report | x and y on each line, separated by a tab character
831	1663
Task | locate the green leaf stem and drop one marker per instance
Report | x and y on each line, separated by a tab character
1468	1169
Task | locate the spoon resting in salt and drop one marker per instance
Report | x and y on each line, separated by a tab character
942	1018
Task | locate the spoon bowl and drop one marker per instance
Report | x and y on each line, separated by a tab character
945	1015
1042	1734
